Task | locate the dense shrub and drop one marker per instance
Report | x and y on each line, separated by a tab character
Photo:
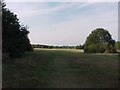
99	41
15	39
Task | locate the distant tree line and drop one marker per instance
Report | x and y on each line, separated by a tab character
51	46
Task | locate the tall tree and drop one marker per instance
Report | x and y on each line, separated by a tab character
14	36
99	41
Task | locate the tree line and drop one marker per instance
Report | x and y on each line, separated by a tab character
57	47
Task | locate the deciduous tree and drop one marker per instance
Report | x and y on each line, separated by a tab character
14	36
99	41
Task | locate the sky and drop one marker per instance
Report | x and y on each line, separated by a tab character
65	23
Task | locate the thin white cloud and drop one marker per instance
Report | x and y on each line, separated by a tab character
28	11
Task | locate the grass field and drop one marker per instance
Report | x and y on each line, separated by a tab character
62	68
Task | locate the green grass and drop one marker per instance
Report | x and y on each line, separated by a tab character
62	68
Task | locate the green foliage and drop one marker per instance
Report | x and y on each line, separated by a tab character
99	41
51	46
117	45
79	47
15	39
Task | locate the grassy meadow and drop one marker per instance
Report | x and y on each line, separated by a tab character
62	68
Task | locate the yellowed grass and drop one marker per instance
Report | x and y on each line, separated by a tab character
67	50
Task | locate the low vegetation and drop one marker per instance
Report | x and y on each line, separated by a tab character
57	47
61	68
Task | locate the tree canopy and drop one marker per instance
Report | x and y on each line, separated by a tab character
99	41
14	36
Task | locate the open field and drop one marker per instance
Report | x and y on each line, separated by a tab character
62	68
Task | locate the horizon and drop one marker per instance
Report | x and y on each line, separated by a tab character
51	45
65	23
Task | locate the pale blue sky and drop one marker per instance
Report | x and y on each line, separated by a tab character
66	23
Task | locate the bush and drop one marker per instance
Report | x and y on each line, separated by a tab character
99	41
15	39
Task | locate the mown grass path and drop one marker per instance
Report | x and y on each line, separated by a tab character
55	68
